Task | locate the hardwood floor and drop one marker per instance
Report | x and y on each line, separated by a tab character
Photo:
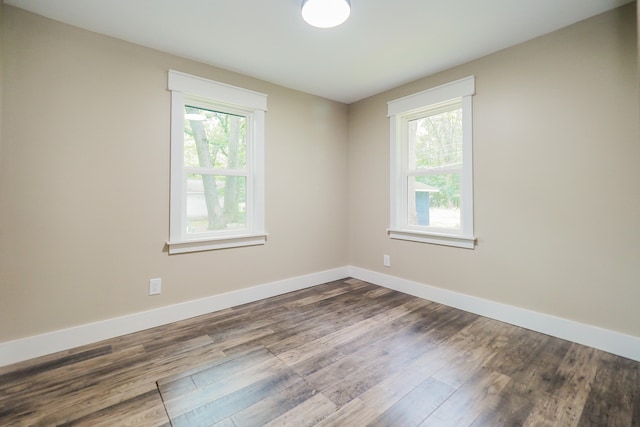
346	353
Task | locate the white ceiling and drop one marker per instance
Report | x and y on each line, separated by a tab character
383	44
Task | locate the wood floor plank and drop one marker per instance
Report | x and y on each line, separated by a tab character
335	315
307	350
306	414
173	333
275	403
480	394
10	377
533	379
612	395
87	394
354	413
389	361
235	401
227	386
564	406
469	352
417	314
515	349
145	410
540	372
202	375
319	360
513	406
388	392
392	341
317	297
308	323
346	353
23	397
416	406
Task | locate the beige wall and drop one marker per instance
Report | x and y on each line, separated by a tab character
1	71
84	182
557	175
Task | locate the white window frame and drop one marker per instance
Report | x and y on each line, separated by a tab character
228	99
400	112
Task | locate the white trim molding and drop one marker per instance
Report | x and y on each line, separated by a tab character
217	243
197	92
39	345
603	339
407	172
434	238
186	83
458	88
65	339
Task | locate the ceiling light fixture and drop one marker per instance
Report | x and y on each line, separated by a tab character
325	13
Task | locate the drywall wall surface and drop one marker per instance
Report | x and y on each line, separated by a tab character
84	195
556	154
1	71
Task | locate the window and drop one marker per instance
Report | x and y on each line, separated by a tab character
431	166
217	165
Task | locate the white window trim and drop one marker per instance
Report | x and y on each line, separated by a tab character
184	85
398	111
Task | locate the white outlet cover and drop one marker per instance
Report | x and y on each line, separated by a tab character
155	286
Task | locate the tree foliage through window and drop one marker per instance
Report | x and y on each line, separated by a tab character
438	150
215	147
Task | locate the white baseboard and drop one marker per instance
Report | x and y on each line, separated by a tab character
610	341
39	345
65	339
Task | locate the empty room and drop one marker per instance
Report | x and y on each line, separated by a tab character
386	213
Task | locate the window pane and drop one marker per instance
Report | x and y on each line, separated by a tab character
214	140
216	203
434	200
436	141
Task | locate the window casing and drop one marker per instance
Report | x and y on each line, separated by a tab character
217	165
432	165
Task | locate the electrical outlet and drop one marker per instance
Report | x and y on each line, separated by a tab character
387	261
155	286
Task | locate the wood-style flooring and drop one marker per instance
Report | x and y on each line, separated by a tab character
346	353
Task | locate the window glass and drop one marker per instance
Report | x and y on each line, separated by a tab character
431	193
435	201
217	165
215	203
436	140
214	139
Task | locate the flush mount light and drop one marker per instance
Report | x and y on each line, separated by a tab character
325	13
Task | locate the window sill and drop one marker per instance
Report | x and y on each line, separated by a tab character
211	244
434	238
